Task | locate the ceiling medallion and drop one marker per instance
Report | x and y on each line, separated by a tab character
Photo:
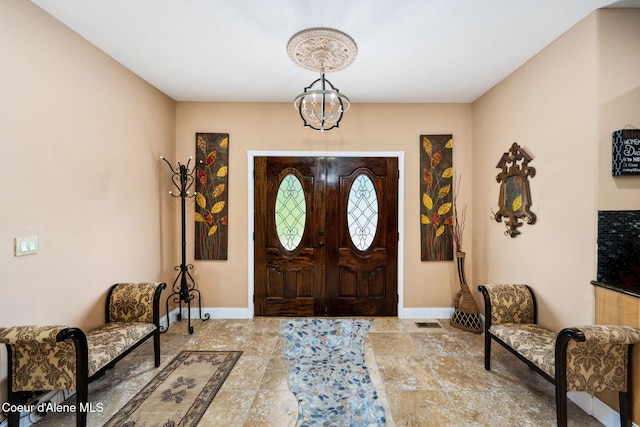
318	49
321	105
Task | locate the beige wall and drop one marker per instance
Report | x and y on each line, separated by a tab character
562	107
619	107
79	141
618	101
365	127
548	106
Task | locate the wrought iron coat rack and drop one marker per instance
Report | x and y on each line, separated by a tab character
184	287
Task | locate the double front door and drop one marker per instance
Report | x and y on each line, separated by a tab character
326	236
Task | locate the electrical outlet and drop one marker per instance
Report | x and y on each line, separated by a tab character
26	245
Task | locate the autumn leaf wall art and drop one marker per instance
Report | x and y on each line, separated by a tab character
211	209
436	200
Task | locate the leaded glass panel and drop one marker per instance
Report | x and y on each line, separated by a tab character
291	212
362	212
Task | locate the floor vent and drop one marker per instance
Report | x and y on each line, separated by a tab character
428	325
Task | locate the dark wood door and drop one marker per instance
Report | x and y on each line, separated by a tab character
325	236
289	274
362	254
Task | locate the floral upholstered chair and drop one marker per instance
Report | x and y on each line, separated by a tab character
43	358
588	358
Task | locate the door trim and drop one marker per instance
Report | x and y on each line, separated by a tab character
251	154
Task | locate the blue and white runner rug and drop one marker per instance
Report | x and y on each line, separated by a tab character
327	372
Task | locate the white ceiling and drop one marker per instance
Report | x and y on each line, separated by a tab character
408	50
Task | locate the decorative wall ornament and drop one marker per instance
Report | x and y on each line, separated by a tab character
515	196
211	211
436	209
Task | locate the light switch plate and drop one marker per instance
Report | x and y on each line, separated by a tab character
26	245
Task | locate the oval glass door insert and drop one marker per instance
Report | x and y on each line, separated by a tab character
291	212
362	212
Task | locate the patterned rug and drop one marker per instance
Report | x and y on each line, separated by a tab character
181	393
327	372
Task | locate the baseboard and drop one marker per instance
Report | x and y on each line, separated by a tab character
604	413
246	313
213	312
586	401
426	313
596	408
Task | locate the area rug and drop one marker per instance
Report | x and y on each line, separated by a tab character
181	393
327	372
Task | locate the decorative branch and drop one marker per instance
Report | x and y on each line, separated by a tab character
459	218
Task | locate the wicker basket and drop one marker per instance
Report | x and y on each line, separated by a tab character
466	315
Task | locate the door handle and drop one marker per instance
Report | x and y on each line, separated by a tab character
319	245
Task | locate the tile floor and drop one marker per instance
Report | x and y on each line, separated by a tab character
424	377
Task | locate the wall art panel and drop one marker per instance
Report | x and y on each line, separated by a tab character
436	197
212	196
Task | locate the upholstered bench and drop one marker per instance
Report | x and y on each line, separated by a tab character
587	358
43	358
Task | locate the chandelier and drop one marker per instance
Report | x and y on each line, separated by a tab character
321	105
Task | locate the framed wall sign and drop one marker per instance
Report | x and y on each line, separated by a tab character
626	152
